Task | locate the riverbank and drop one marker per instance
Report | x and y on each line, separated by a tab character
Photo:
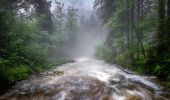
16	74
87	79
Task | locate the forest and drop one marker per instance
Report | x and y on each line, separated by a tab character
120	45
139	35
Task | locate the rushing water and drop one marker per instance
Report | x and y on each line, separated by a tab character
87	79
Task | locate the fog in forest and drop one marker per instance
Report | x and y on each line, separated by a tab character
84	49
88	32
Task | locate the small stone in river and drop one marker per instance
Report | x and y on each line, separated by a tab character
22	93
116	79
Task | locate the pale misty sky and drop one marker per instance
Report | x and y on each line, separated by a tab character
82	5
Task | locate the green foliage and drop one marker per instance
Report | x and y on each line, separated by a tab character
24	47
157	69
103	52
14	74
38	69
168	82
105	9
123	60
23	51
139	35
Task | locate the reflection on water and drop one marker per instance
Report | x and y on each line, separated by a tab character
87	79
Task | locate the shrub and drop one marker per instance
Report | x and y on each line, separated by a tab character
104	53
122	59
14	74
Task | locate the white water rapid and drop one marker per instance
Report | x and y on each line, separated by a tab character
87	79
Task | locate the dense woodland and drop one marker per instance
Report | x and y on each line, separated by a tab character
139	37
34	38
30	35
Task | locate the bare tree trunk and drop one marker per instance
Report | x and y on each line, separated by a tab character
168	21
122	35
128	33
139	32
141	17
168	12
132	29
161	12
161	28
141	44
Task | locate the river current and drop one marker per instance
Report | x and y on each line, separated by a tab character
87	79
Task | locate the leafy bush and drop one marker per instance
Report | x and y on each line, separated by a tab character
122	59
14	74
20	48
168	82
104	53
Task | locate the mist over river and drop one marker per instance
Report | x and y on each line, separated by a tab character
80	49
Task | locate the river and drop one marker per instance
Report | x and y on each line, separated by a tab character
87	79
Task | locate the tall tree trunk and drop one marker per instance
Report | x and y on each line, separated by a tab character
132	29
141	17
141	44
168	21
168	5
161	28
138	12
122	42
43	9
128	29
132	22
161	12
139	32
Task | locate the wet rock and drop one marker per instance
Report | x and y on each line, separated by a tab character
160	98
56	72
117	79
50	73
134	97
106	98
113	82
34	88
25	87
22	93
52	89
